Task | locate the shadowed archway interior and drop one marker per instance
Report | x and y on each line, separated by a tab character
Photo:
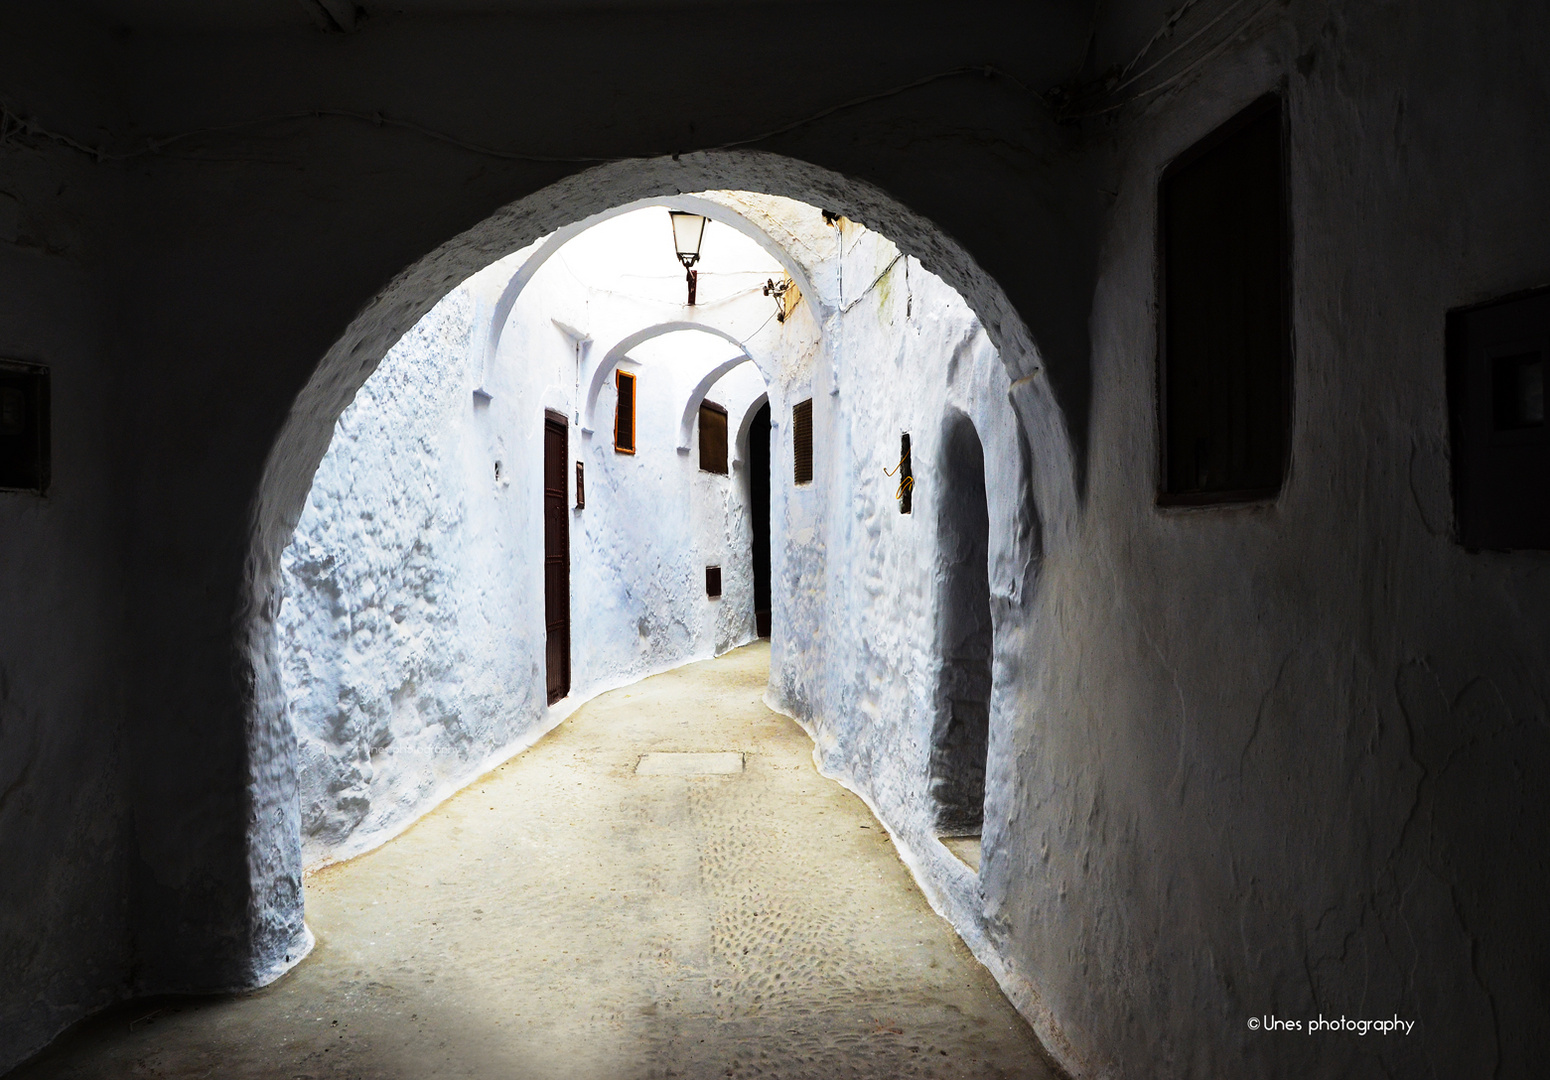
961	738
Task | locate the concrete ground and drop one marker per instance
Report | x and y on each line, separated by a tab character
568	916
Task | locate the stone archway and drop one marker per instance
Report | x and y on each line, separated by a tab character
276	935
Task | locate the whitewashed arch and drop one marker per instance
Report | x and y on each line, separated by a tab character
701	388
694	203
741	441
275	935
620	349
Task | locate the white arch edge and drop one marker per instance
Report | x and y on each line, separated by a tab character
697	395
621	349
560	237
746	422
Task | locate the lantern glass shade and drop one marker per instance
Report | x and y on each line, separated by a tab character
688	231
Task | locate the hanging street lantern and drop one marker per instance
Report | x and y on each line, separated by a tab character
688	231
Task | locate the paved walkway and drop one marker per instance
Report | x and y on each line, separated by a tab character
569	917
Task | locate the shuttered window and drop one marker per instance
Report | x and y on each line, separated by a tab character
624	413
713	581
1225	376
802	441
713	438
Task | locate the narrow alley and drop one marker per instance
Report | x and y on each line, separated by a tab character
606	905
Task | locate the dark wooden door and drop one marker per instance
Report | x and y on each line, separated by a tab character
556	556
759	515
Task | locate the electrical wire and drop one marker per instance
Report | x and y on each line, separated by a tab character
875	282
1188	68
1069	113
13	123
1173	18
1061	103
1163	59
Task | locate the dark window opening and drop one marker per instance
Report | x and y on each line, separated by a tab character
713	581
624	413
802	441
581	486
960	742
1498	354
906	473
713	438
24	427
1225	348
1518	391
759	515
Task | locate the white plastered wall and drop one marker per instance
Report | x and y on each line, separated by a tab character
413	625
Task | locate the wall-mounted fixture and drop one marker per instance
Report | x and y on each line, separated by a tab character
906	474
713	581
581	486
688	232
786	295
24	427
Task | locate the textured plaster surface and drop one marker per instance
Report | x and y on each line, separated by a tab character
574	915
400	681
1290	759
412	631
66	819
860	586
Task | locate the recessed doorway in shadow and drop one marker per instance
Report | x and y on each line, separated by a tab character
960	740
759	514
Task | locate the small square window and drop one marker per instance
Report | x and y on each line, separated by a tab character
1518	391
24	427
1497	360
713	581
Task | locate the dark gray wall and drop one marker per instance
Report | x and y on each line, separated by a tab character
1294	758
66	834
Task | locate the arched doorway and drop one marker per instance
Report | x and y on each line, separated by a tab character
960	741
758	457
